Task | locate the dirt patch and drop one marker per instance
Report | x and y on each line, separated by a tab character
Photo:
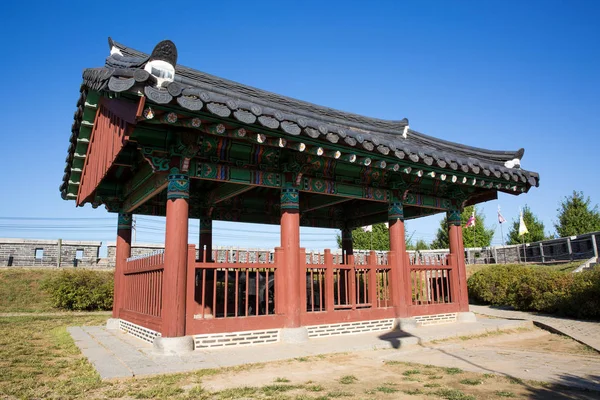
365	375
546	342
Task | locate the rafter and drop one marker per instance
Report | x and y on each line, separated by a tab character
226	191
146	191
317	203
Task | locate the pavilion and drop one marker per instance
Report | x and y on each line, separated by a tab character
152	137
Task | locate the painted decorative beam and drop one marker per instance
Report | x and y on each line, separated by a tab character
327	186
426	201
226	173
432	166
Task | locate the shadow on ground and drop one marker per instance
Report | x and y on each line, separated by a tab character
567	387
397	338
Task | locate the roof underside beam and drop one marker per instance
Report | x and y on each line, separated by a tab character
226	191
317	203
146	191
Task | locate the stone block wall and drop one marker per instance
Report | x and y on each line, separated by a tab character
22	252
45	253
137	249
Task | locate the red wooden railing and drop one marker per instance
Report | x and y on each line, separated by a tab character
351	291
143	279
243	290
232	294
433	285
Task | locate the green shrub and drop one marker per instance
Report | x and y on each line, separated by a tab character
81	290
493	285
584	296
541	289
538	289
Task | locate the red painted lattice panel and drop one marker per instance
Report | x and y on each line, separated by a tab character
113	120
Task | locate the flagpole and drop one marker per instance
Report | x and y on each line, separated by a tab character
502	241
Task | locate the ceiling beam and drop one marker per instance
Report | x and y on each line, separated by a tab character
321	202
226	191
150	187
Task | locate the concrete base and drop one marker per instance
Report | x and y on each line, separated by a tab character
294	335
405	323
112	324
466	317
174	345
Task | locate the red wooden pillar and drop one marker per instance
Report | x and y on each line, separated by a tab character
122	253
205	240
290	244
457	259
176	242
400	268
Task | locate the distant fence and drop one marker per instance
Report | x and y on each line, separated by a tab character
69	253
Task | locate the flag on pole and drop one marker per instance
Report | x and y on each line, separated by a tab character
368	228
471	221
501	219
522	228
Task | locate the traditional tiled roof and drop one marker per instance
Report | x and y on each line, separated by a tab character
198	91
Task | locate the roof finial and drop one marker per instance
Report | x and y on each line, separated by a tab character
165	51
162	61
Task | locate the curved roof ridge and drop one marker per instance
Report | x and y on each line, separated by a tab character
469	151
342	118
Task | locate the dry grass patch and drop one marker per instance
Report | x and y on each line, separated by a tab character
38	359
20	290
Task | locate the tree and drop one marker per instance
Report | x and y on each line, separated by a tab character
420	245
477	236
534	226
575	216
379	239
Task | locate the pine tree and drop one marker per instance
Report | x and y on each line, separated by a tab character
477	236
534	226
575	216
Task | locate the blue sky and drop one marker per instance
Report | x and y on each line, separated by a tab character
493	74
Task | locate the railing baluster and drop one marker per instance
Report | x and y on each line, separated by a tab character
257	291
237	285
225	305
312	290
247	286
203	291
266	291
214	302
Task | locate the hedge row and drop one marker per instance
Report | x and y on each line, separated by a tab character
80	290
538	289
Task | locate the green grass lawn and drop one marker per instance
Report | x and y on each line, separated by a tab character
20	290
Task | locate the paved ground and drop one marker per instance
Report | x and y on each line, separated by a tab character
117	355
502	355
585	332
